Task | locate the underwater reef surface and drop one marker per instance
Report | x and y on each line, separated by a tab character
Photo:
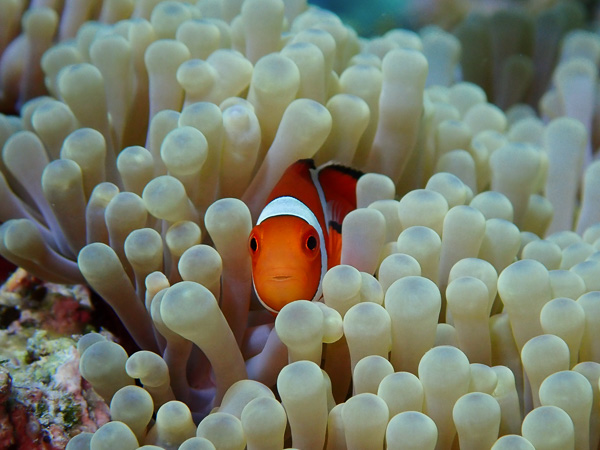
44	401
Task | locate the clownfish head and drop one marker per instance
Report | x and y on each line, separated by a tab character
286	261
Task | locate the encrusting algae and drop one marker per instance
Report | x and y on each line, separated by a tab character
466	301
43	399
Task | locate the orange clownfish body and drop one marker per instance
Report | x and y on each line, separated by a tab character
297	236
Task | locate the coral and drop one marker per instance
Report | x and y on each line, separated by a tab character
44	401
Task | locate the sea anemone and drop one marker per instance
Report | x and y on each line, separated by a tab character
466	298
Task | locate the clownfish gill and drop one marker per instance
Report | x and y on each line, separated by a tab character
298	235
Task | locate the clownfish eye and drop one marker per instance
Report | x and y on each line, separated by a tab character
253	244
311	243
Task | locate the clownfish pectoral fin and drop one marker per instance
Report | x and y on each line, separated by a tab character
339	183
339	189
334	244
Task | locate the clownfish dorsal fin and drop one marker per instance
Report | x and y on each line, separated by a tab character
338	184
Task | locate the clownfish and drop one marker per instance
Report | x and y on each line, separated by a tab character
297	236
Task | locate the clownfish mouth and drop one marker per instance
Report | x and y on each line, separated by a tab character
281	277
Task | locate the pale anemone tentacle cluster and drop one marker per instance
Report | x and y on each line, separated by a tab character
29	29
465	305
